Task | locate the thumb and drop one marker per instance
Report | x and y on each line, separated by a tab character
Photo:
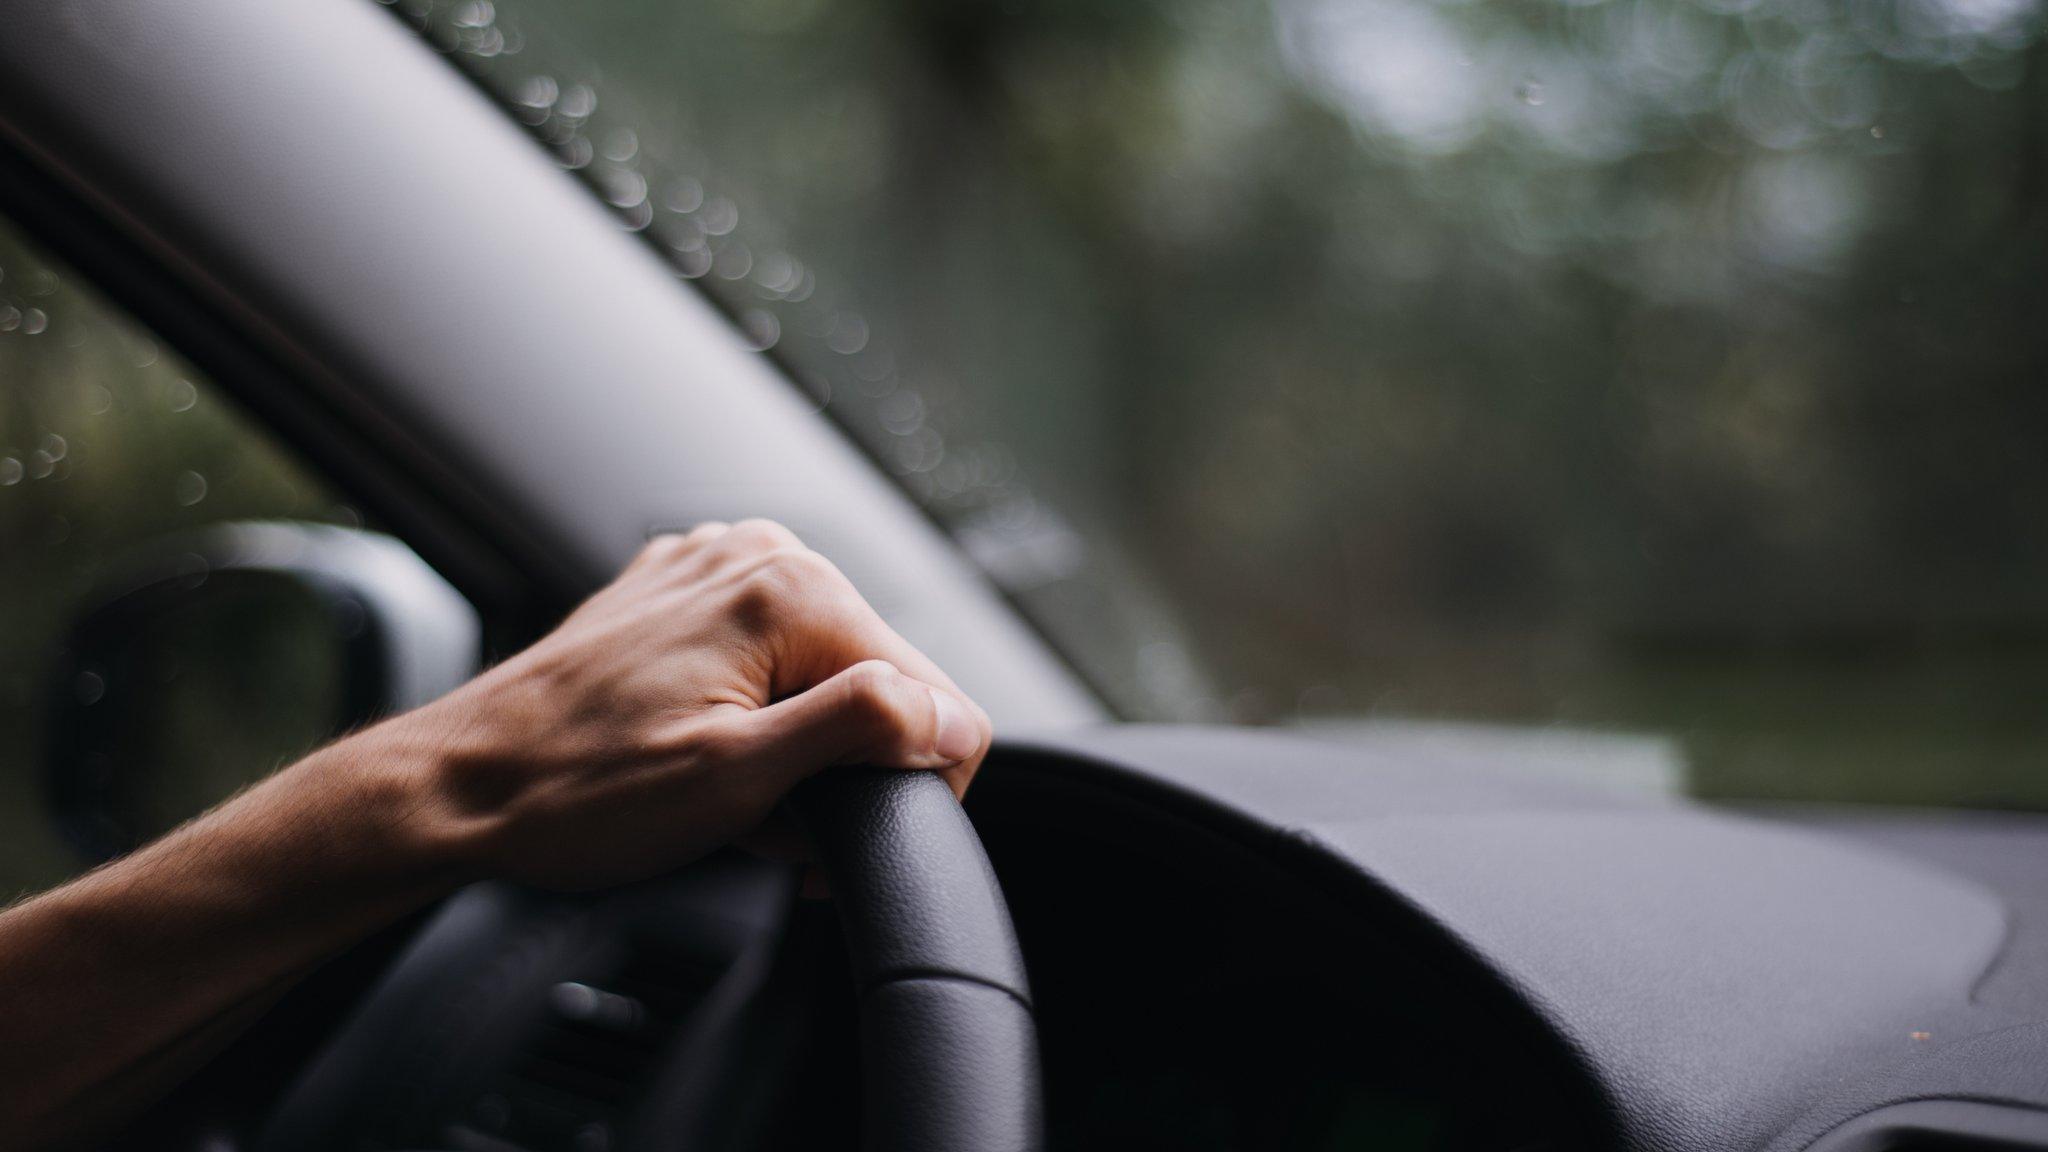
869	713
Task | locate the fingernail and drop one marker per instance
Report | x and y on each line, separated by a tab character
959	736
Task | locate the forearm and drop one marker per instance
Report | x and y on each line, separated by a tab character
126	977
667	716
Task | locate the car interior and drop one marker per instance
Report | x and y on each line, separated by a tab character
454	355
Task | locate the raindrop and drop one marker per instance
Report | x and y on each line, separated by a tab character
1530	92
849	333
902	412
621	145
145	353
55	446
684	236
624	188
685	195
921	451
1877	131
98	401
535	97
734	261
350	617
40	464
720	216
777	272
10	317
486	43
89	688
190	489
693	264
42	282
10	471
575	152
762	328
539	92
577	102
34	321
182	396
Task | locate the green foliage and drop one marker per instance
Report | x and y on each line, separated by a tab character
1641	364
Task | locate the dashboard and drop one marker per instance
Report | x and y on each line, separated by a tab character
1243	941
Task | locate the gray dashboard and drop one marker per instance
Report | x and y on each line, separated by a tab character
1574	968
1724	980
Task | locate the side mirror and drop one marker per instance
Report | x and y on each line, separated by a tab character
223	655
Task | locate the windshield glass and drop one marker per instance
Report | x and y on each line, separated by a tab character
1667	369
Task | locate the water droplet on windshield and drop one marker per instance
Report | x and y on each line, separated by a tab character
577	102
535	98
190	489
901	412
10	471
685	195
621	145
762	328
182	396
624	188
55	446
1530	92
719	216
849	333
694	263
34	321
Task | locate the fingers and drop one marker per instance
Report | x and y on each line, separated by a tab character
863	635
871	713
810	623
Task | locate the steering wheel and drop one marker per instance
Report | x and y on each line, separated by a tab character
949	1040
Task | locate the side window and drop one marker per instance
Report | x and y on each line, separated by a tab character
109	444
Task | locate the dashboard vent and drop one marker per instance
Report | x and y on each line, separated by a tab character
574	1082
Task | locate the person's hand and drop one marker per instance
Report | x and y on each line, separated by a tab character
672	712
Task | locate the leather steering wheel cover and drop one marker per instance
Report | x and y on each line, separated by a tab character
948	1037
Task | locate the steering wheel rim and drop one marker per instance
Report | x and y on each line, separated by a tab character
949	1037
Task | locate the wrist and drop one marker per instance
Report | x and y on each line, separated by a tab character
396	777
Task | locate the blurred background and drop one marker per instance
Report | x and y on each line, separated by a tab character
1655	384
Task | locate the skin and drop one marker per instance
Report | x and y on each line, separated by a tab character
668	715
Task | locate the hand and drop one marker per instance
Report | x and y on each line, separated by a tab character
672	712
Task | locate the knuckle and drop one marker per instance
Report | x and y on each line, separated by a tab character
762	535
666	549
874	699
772	586
720	740
759	601
664	546
793	590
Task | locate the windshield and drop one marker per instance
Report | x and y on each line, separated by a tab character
1669	369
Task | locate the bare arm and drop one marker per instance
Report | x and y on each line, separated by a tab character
665	717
